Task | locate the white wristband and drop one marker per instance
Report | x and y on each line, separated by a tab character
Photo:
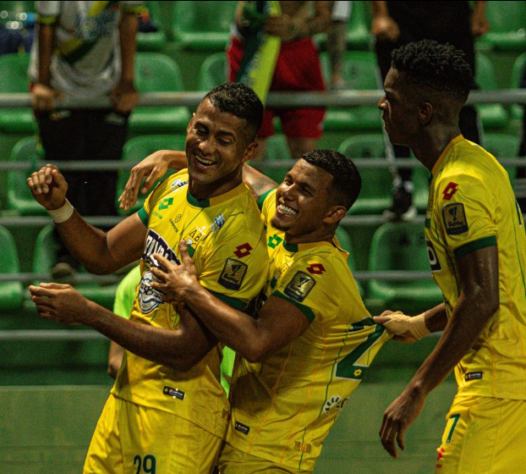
62	214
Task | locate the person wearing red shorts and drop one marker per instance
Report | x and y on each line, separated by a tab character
297	69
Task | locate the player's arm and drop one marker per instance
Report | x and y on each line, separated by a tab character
100	252
383	26
42	94
155	166
115	356
413	328
180	349
278	324
478	302
125	96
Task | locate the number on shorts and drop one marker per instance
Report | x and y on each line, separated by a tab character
455	419
148	464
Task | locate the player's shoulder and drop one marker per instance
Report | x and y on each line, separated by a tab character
171	184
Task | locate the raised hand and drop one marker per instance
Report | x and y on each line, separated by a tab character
49	187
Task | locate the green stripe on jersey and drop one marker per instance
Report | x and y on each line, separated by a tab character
304	309
263	197
232	302
476	245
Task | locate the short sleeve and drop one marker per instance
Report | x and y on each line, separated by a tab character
307	285
466	213
235	270
267	205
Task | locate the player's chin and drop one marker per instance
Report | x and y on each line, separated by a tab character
281	224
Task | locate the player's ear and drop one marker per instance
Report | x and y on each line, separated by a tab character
334	214
251	151
425	113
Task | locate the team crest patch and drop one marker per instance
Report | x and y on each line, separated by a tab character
178	183
300	286
455	219
243	250
233	274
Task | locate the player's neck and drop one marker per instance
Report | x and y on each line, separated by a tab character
225	184
432	143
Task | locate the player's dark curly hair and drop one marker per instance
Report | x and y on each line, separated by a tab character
346	180
441	67
239	100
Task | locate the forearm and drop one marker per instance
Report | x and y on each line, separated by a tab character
98	251
257	182
175	160
232	327
128	44
319	23
436	318
168	347
46	41
479	8
467	322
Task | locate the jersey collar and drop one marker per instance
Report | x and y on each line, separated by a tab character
204	203
450	145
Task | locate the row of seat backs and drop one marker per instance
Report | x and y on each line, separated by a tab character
374	198
394	247
205	25
155	72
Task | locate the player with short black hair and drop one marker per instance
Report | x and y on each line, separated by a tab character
477	249
167	409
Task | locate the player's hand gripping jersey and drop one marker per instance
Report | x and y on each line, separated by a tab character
225	237
472	206
283	408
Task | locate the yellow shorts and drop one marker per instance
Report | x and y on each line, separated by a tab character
233	461
483	436
132	439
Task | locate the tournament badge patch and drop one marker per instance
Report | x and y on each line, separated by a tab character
233	274
300	286
455	219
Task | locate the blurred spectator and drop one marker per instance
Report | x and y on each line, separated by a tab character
85	50
336	37
297	67
397	23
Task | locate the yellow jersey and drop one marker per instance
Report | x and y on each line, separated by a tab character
227	244
284	407
472	206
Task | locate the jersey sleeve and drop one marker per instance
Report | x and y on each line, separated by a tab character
267	205
235	270
173	181
307	285
466	214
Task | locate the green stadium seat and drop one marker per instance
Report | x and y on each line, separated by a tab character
517	110
45	257
507	21
19	197
492	116
11	292
139	148
345	241
14	80
213	72
155	72
375	195
402	246
152	40
358	33
359	73
503	146
202	26
276	150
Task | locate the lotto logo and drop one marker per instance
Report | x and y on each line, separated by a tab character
450	191
316	269
243	250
